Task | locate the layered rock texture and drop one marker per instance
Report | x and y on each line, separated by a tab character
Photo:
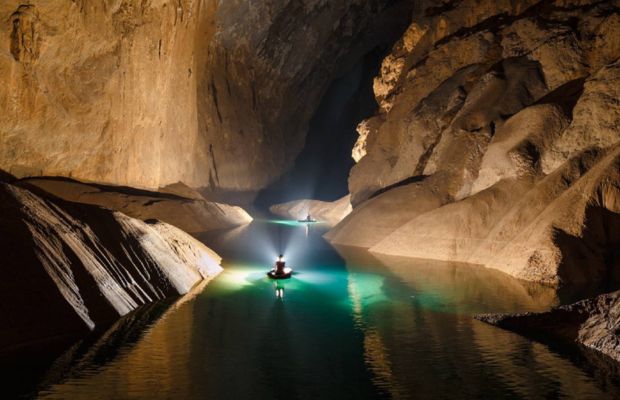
69	268
496	142
177	204
594	323
330	212
216	94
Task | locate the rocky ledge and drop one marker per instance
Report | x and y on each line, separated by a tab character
69	268
176	204
594	323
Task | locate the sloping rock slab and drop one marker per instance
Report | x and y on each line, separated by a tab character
188	211
69	268
593	323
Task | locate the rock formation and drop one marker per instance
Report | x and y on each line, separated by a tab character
188	210
594	323
329	212
496	142
69	268
216	94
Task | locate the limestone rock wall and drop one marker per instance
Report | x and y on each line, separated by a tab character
496	141
102	91
215	94
71	267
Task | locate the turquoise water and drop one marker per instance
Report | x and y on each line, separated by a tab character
346	326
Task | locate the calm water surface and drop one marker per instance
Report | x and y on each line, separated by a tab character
347	326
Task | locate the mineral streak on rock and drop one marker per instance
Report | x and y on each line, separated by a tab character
496	142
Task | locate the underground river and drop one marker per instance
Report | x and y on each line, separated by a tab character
346	326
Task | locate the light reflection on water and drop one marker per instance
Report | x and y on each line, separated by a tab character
420	340
360	328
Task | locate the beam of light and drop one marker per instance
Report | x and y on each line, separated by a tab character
289	238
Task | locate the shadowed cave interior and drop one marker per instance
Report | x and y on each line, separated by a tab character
288	199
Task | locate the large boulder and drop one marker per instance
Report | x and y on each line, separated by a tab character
70	268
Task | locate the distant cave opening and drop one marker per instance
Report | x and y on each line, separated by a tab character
322	168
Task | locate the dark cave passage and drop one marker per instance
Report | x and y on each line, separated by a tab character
321	170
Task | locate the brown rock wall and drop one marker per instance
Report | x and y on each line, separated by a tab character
214	94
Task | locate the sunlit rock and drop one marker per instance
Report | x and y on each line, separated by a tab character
514	151
543	231
359	149
376	218
596	119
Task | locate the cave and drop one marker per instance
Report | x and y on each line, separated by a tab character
284	199
321	169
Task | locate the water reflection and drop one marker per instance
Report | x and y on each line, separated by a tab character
347	325
452	287
279	290
421	342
